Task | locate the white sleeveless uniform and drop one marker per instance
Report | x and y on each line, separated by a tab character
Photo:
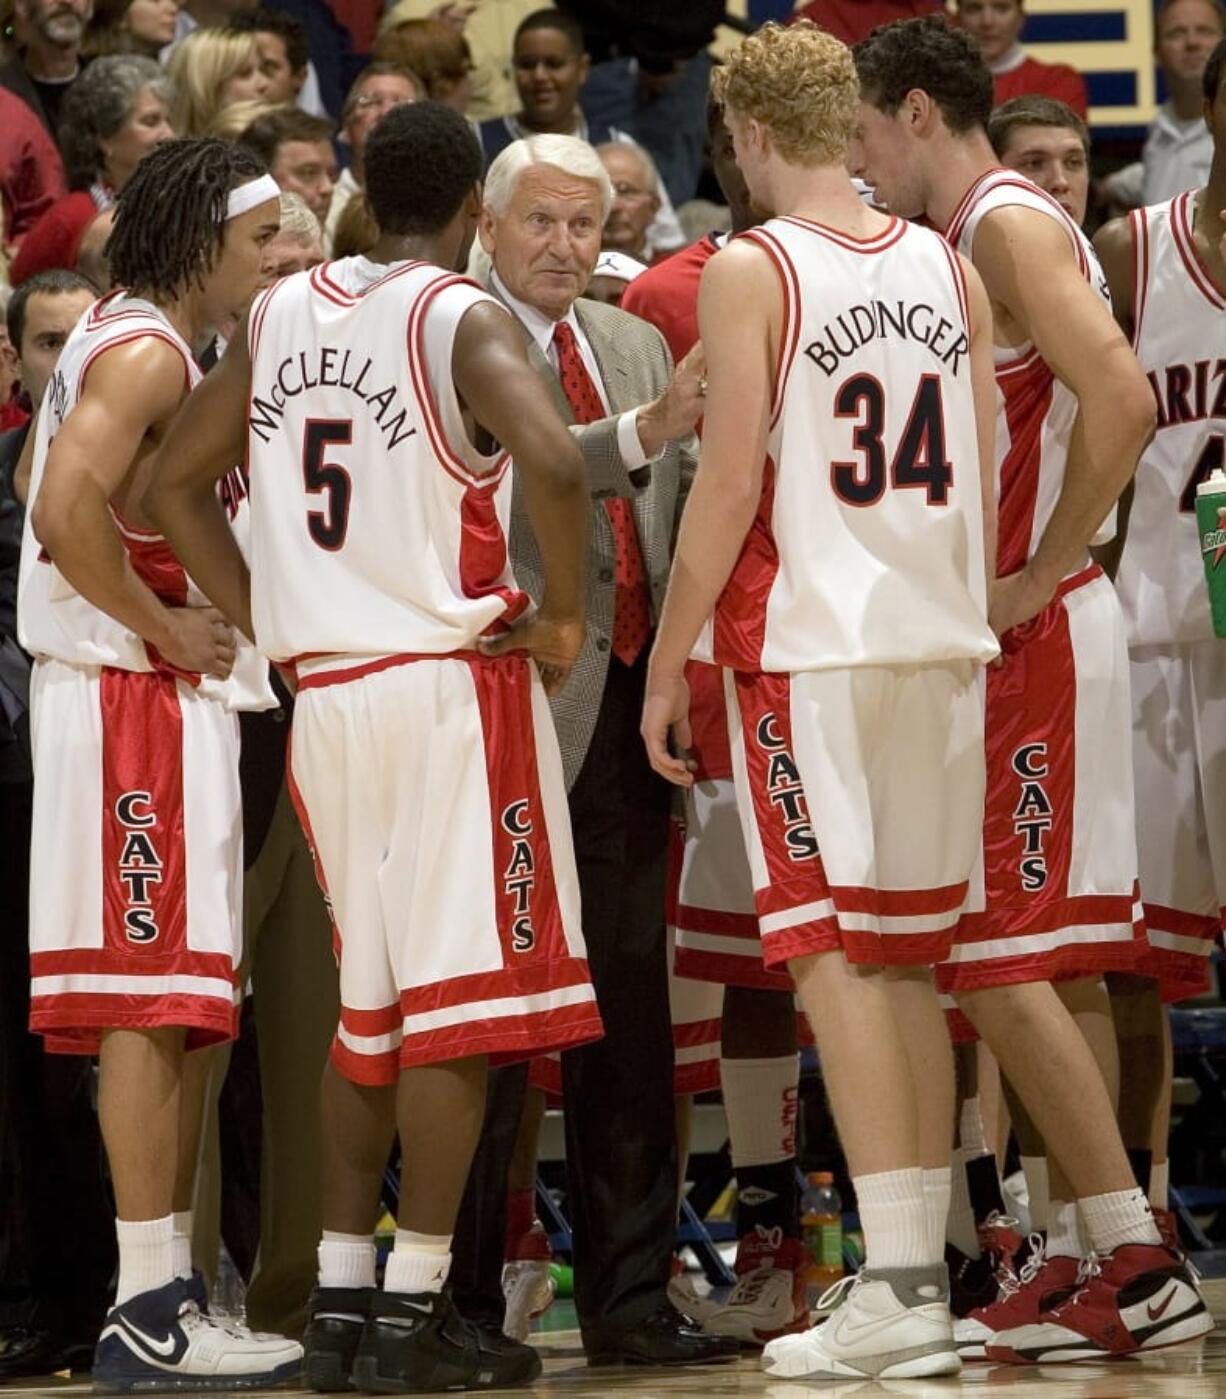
1055	893
136	771
428	777
853	628
1178	666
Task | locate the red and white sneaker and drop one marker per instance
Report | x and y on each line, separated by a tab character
527	1284
1139	1298
770	1297
1042	1283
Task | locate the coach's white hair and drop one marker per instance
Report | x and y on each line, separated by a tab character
566	153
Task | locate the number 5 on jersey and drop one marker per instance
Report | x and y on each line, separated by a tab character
327	527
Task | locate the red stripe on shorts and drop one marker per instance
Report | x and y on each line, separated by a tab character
304	820
144	858
525	895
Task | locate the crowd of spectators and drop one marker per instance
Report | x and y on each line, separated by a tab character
89	87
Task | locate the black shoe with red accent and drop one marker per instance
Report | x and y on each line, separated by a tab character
1141	1297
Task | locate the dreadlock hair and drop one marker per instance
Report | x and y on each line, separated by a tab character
170	218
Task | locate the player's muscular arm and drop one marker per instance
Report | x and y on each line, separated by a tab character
983	386
739	310
206	441
1028	266
1113	243
131	391
511	401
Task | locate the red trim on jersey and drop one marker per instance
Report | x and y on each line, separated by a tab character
72	1022
144	855
384	1020
690	918
1027	390
1001	178
147	334
483	556
731	969
448	458
739	624
1138	229
528	914
1181	227
120	961
899	903
789	335
370	1070
323	678
1050	916
505	1038
1205	926
878	243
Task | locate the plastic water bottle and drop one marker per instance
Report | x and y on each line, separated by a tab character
821	1222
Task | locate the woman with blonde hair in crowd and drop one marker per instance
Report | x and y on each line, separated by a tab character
211	69
131	26
235	117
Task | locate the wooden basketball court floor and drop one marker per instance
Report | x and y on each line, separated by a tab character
1193	1371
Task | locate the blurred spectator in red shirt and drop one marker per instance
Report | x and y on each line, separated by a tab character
996	26
31	172
853	20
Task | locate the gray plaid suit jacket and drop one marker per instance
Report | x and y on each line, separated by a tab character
635	366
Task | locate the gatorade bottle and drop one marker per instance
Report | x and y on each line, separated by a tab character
821	1222
1211	527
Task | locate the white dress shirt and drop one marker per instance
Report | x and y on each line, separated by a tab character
1176	157
541	329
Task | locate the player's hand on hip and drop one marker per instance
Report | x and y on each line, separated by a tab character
202	642
666	712
553	643
1014	600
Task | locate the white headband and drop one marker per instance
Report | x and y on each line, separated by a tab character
251	195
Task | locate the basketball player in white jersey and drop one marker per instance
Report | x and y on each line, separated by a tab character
378	401
136	897
1054	897
832	557
1168	287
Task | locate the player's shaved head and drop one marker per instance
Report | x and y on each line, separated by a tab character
422	162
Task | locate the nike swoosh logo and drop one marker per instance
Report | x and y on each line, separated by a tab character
1155	1312
163	1349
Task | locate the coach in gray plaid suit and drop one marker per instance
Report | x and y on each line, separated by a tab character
546	199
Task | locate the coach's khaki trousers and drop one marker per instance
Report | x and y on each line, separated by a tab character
287	953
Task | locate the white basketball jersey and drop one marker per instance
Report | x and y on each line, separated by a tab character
53	620
378	529
1035	411
867	547
1179	336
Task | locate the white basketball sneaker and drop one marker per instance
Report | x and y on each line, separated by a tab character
529	1290
894	1323
770	1297
687	1299
160	1340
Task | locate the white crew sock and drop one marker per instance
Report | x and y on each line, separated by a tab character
937	1189
419	1262
760	1105
1065	1237
960	1229
146	1255
1117	1218
1034	1168
346	1260
895	1219
1160	1185
182	1243
970	1129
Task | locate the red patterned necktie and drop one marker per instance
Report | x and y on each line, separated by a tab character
632	599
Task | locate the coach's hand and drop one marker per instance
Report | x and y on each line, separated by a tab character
1014	600
678	408
666	710
553	643
201	642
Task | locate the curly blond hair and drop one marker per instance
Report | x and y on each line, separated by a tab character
799	82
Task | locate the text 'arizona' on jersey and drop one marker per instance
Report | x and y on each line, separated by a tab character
1177	335
377	528
867	546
